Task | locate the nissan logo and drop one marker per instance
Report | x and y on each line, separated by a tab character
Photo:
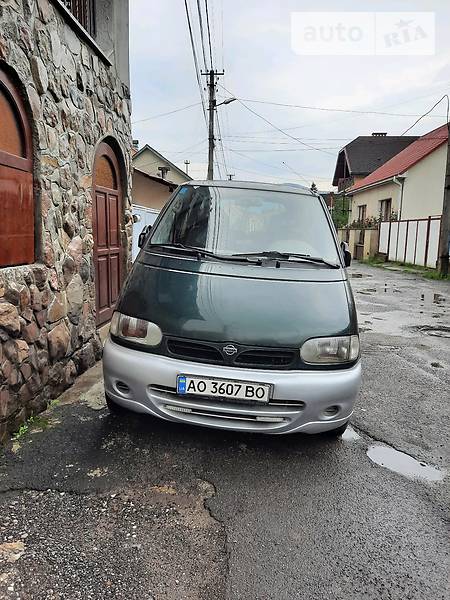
230	350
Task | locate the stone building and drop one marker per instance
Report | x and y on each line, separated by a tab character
65	208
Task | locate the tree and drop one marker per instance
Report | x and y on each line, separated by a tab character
340	212
313	188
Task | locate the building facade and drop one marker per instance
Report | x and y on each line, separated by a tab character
150	161
65	200
409	186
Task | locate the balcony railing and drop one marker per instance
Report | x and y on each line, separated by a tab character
344	183
84	13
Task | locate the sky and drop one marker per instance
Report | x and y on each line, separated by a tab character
252	42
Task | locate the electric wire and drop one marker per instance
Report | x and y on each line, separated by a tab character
171	112
208	28
194	54
202	38
428	112
343	110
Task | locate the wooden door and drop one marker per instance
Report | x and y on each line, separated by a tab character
107	215
16	178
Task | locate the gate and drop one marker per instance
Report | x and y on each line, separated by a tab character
148	217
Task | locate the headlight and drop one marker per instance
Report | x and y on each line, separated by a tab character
330	350
135	330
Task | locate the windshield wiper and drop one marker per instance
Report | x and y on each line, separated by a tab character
199	252
292	256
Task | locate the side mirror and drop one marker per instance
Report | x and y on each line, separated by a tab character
346	253
143	235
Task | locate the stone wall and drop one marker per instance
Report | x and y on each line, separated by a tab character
47	310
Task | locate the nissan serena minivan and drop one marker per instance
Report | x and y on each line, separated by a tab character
238	314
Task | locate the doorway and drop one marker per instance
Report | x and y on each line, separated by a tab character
107	217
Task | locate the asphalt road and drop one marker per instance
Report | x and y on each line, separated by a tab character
94	506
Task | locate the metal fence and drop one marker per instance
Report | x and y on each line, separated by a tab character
413	241
147	217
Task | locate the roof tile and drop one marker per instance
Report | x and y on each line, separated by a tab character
405	159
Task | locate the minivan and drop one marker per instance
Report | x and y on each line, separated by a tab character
238	314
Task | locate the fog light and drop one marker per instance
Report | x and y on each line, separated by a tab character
122	387
180	409
330	412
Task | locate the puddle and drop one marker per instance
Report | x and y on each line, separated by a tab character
432	297
350	435
403	463
435	331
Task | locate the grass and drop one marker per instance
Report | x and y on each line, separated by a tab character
35	421
30	423
426	272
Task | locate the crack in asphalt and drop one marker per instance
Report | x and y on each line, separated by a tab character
226	545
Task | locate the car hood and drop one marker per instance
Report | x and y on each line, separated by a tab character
245	304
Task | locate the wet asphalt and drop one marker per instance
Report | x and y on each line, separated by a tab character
96	506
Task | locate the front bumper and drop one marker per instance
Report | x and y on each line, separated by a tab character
301	397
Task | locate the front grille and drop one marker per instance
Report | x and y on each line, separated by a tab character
194	351
245	356
266	358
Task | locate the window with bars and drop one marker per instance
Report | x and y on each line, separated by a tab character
84	13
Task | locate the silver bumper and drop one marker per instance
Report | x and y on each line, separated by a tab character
302	397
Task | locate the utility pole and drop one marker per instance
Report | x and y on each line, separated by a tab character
211	83
444	234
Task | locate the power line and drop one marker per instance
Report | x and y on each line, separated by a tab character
344	110
209	33
194	54
267	164
428	112
266	175
281	130
291	149
221	142
409	100
221	29
166	113
252	139
154	162
291	169
200	23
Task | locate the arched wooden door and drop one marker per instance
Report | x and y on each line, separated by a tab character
107	216
16	178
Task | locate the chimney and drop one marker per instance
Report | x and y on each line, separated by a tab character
135	147
379	133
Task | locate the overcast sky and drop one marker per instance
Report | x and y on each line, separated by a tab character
252	43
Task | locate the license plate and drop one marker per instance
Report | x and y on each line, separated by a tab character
223	388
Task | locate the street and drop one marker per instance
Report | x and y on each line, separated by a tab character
96	506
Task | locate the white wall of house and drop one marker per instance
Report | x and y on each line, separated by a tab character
372	198
423	190
149	163
423	193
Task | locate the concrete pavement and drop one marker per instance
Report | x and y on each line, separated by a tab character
95	506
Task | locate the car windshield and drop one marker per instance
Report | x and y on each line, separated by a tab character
230	221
